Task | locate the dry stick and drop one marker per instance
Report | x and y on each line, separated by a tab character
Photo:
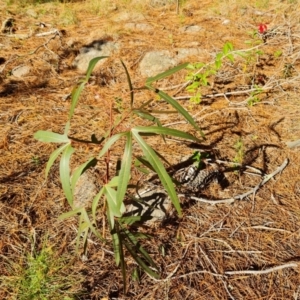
208	96
267	228
56	33
266	271
242	196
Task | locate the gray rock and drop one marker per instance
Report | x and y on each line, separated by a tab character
152	204
160	3
86	54
156	62
138	26
30	12
191	28
20	71
127	16
85	191
183	53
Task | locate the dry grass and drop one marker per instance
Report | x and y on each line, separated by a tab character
256	234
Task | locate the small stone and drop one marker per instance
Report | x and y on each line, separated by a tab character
191	28
85	190
30	12
156	62
138	26
87	53
126	16
20	71
226	22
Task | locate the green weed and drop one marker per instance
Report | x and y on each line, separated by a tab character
239	148
40	275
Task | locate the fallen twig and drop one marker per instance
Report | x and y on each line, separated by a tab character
260	272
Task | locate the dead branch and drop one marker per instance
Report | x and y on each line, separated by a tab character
260	272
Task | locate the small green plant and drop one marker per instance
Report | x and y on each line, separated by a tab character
277	53
239	148
254	99
40	275
288	70
112	194
200	73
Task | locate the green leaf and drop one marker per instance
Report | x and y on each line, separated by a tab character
70	214
143	160
135	249
166	131
67	128
166	74
110	142
144	115
64	170
132	238
116	209
181	110
113	182
90	225
51	137
115	238
84	224
92	65
124	174
53	157
75	97
159	168
130	84
80	169
96	201
130	220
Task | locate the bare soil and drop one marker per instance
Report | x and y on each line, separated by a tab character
255	234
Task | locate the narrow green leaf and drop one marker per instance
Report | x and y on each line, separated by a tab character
92	65
67	128
70	214
144	115
181	110
82	234
75	97
148	116
115	238
130	84
91	162
110	142
138	247
51	137
166	73
146	163
111	196
79	232
230	57
166	131
121	254
113	182
159	168
140	262
96	201
130	220
124	174
64	171
53	157
90	225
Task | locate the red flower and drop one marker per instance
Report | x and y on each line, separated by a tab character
262	28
